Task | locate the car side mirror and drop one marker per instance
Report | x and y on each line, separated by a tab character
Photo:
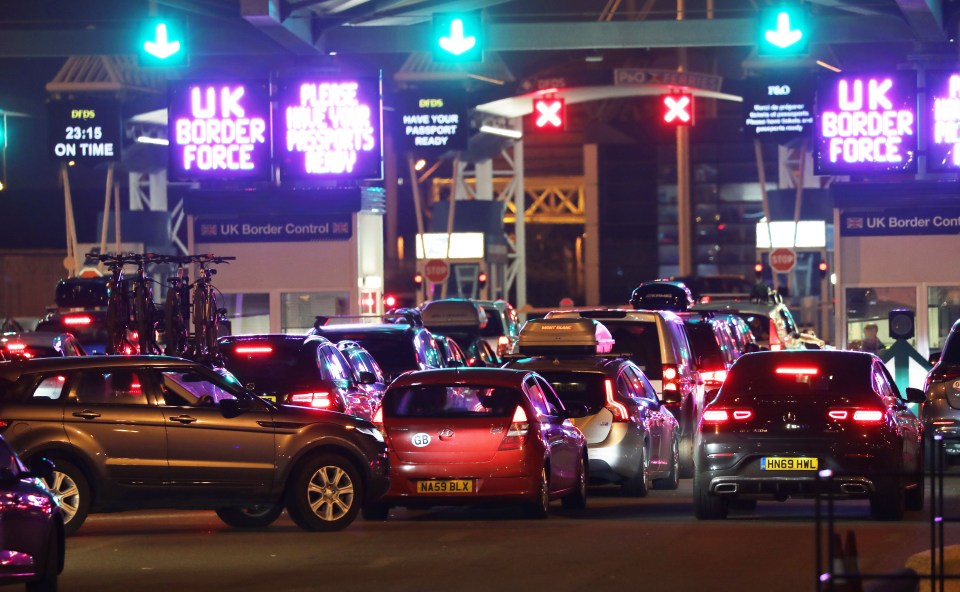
230	407
672	397
576	411
40	468
915	395
367	377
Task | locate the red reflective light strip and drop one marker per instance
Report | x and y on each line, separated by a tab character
620	412
798	371
80	320
742	414
838	414
253	349
943	422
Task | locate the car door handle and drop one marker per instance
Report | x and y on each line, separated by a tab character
86	414
183	418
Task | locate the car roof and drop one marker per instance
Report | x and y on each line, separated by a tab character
735	306
810	356
488	376
274	338
398	329
83	362
36	337
568	364
614	315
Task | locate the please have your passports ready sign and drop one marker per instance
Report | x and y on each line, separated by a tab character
430	122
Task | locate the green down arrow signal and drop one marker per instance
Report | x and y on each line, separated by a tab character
456	43
161	47
783	37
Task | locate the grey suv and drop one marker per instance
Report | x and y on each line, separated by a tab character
154	432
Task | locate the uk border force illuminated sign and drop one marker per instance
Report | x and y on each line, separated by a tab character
943	130
866	124
328	128
219	131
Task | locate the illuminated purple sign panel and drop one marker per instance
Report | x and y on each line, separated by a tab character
219	131
866	124
328	128
943	129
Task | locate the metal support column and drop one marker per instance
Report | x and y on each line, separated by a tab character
591	199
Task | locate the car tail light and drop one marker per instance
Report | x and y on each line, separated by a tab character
839	414
253	349
718	416
857	415
320	400
775	344
16	348
941	375
517	431
77	320
671	377
3	424
619	411
797	371
714	378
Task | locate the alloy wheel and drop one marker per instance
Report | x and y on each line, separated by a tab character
67	494
330	493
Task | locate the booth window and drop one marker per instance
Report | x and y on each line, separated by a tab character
299	310
943	309
247	313
872	306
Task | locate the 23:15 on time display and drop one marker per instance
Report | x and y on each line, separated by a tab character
83	133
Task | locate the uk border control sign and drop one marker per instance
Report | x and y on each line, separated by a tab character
866	123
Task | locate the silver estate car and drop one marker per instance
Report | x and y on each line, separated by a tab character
940	412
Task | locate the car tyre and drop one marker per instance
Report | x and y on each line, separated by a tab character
577	499
540	508
70	487
376	512
324	493
639	484
707	506
47	582
672	480
260	516
888	503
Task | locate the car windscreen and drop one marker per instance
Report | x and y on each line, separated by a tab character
578	388
758	377
288	365
450	401
641	340
704	343
759	324
494	326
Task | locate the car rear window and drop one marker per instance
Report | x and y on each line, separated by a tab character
756	378
641	340
578	388
759	325
494	326
441	401
704	343
288	365
951	349
394	354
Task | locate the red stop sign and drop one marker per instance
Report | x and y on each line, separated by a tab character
436	270
783	260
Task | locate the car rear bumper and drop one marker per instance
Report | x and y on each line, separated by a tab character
793	486
491	482
617	457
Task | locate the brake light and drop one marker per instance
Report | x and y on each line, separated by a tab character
867	415
775	344
503	340
77	320
714	378
671	377
253	349
840	414
742	414
3	424
620	411
718	416
793	371
16	347
517	431
315	400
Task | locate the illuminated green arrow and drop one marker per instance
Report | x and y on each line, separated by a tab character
456	43
161	48
783	37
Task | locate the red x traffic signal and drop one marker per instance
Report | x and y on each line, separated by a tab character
677	109
549	114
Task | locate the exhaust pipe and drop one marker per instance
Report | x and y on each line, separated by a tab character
725	488
853	488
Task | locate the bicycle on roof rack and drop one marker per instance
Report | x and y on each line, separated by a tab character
206	313
131	312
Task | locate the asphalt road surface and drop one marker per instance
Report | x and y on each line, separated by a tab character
616	544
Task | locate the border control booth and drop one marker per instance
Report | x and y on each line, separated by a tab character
276	171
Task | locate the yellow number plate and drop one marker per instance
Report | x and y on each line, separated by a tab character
801	463
445	486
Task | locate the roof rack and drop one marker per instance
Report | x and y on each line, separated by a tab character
410	316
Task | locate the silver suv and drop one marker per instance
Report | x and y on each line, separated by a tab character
656	341
940	412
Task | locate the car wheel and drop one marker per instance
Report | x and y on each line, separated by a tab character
70	488
250	516
672	480
540	508
686	449
324	493
888	503
639	484
47	582
707	506
376	512
577	499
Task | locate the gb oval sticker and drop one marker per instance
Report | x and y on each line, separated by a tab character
420	440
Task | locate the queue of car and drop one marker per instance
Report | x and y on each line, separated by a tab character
416	411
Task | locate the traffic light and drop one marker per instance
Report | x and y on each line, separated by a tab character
823	269
549	114
418	279
783	31
162	43
758	269
389	301
457	37
482	280
677	109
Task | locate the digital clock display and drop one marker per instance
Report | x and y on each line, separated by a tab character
85	130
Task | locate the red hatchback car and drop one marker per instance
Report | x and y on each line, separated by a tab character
469	435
